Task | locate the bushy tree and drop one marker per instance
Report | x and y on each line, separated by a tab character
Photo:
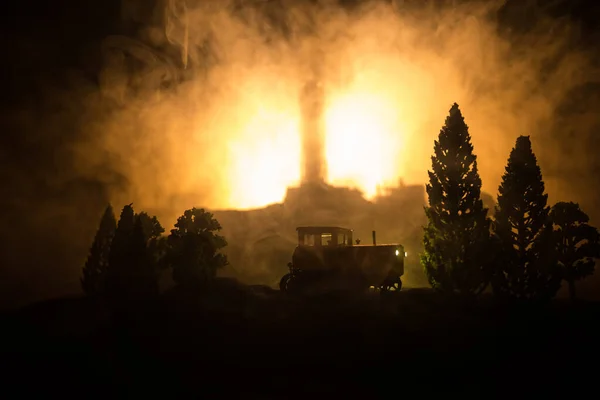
151	227
577	243
193	248
525	262
457	234
156	244
96	265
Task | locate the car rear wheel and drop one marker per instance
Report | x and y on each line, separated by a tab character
284	282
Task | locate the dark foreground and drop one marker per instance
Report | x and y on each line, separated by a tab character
257	343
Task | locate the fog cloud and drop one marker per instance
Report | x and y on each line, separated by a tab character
208	94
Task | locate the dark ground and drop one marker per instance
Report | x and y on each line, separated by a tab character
255	342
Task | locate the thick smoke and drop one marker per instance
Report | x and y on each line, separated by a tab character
199	103
209	93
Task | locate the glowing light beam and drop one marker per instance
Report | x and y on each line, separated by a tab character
363	141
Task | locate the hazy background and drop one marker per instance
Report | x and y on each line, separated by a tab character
173	104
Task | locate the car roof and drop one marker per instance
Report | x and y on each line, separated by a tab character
317	229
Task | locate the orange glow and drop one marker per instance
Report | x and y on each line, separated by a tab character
252	128
225	132
265	161
363	144
363	141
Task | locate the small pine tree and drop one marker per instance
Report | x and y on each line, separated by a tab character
524	260
121	259
132	264
120	248
140	260
577	243
458	230
143	281
96	265
194	246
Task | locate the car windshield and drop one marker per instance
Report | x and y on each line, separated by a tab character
319	239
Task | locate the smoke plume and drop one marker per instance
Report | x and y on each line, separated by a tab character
209	95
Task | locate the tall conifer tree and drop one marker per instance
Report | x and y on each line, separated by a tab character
458	230
525	264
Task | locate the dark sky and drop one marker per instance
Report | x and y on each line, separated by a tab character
51	51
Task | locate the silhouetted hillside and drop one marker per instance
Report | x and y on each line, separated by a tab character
252	341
